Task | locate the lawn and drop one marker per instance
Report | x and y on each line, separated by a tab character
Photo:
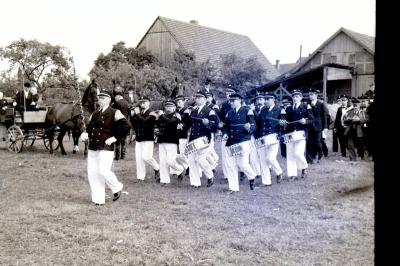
47	217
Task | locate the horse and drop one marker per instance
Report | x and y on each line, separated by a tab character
67	117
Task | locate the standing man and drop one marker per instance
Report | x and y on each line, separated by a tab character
338	125
298	117
183	130
143	121
353	119
239	126
319	123
25	99
168	124
203	121
335	139
106	126
122	105
269	129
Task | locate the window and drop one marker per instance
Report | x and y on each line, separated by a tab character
352	60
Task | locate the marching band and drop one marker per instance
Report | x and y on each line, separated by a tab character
249	138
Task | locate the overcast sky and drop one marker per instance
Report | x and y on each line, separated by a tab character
89	27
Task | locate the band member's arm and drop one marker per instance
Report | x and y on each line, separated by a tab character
121	126
309	116
213	121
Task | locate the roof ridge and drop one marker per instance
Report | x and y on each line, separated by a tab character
180	21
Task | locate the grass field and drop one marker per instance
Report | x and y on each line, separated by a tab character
47	217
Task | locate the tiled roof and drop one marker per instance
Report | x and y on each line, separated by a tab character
207	42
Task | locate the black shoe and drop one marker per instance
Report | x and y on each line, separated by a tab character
278	178
292	178
251	183
193	186
303	173
242	176
98	204
214	171
116	158
157	175
187	172
210	182
232	191
122	157
117	195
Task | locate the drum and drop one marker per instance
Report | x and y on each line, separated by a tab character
196	144
294	136
269	139
239	149
219	137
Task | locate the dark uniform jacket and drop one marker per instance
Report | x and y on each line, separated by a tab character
215	107
234	125
143	124
198	129
266	125
102	126
167	125
292	114
320	117
185	120
225	107
338	120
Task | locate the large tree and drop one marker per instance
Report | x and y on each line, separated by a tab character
44	64
241	73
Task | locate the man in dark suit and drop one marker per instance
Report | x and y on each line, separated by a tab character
338	127
120	104
319	123
26	100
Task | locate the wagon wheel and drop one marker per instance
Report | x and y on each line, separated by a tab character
46	142
15	139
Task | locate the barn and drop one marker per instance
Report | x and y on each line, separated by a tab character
343	64
166	35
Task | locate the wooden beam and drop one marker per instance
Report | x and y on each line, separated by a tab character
324	79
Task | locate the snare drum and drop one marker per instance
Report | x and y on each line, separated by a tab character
294	136
196	145
239	149
269	139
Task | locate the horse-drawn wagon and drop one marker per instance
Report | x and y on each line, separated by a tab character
22	129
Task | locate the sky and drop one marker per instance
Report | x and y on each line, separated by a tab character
90	27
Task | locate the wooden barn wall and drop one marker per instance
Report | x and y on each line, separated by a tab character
160	42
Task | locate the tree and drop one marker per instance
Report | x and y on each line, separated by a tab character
239	72
43	64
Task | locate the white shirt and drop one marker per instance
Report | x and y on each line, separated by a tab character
313	103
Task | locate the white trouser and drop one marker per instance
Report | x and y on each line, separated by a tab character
212	156
236	163
226	167
254	159
198	164
144	154
295	157
100	174
268	160
182	145
167	153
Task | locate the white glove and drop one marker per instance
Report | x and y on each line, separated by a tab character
324	133
33	103
111	140
84	136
